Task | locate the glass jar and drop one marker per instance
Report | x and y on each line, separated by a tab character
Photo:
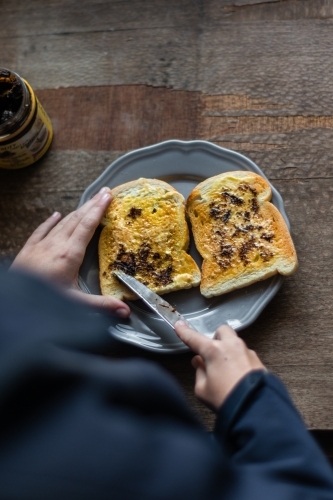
25	129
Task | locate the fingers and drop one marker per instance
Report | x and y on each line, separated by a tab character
197	362
86	227
194	340
61	224
44	229
69	224
108	304
224	332
198	342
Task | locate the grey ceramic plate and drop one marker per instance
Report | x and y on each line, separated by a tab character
183	165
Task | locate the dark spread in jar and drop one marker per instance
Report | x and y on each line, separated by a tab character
11	95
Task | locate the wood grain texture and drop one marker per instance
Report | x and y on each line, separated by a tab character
128	117
158	57
217	11
33	18
60	17
57	172
119	117
293	69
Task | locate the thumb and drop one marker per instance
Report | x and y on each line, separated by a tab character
108	304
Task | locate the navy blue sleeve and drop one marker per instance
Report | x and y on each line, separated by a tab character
265	436
77	425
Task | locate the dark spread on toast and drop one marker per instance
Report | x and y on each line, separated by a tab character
134	212
149	266
235	200
267	237
239	228
254	205
218	212
245	248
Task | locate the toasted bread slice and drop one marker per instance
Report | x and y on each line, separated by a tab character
241	236
146	235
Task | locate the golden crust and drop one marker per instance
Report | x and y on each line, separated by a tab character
241	236
147	236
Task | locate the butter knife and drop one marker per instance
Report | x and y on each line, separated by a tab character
161	307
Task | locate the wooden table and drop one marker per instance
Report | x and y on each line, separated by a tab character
254	76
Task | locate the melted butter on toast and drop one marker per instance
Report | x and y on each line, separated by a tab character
146	236
241	236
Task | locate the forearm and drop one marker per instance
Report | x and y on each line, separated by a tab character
262	429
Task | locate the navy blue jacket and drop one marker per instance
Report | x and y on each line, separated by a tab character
77	425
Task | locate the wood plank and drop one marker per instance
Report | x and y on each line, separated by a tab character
129	117
310	392
65	171
243	3
294	155
301	154
21	213
179	58
59	17
287	63
57	172
119	117
217	11
158	57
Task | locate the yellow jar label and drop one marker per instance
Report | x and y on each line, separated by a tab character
29	147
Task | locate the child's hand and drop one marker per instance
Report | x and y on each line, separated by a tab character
220	362
56	250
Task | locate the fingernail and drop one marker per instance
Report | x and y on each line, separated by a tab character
104	189
181	322
106	196
55	214
123	313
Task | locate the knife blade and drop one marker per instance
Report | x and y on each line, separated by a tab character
160	306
